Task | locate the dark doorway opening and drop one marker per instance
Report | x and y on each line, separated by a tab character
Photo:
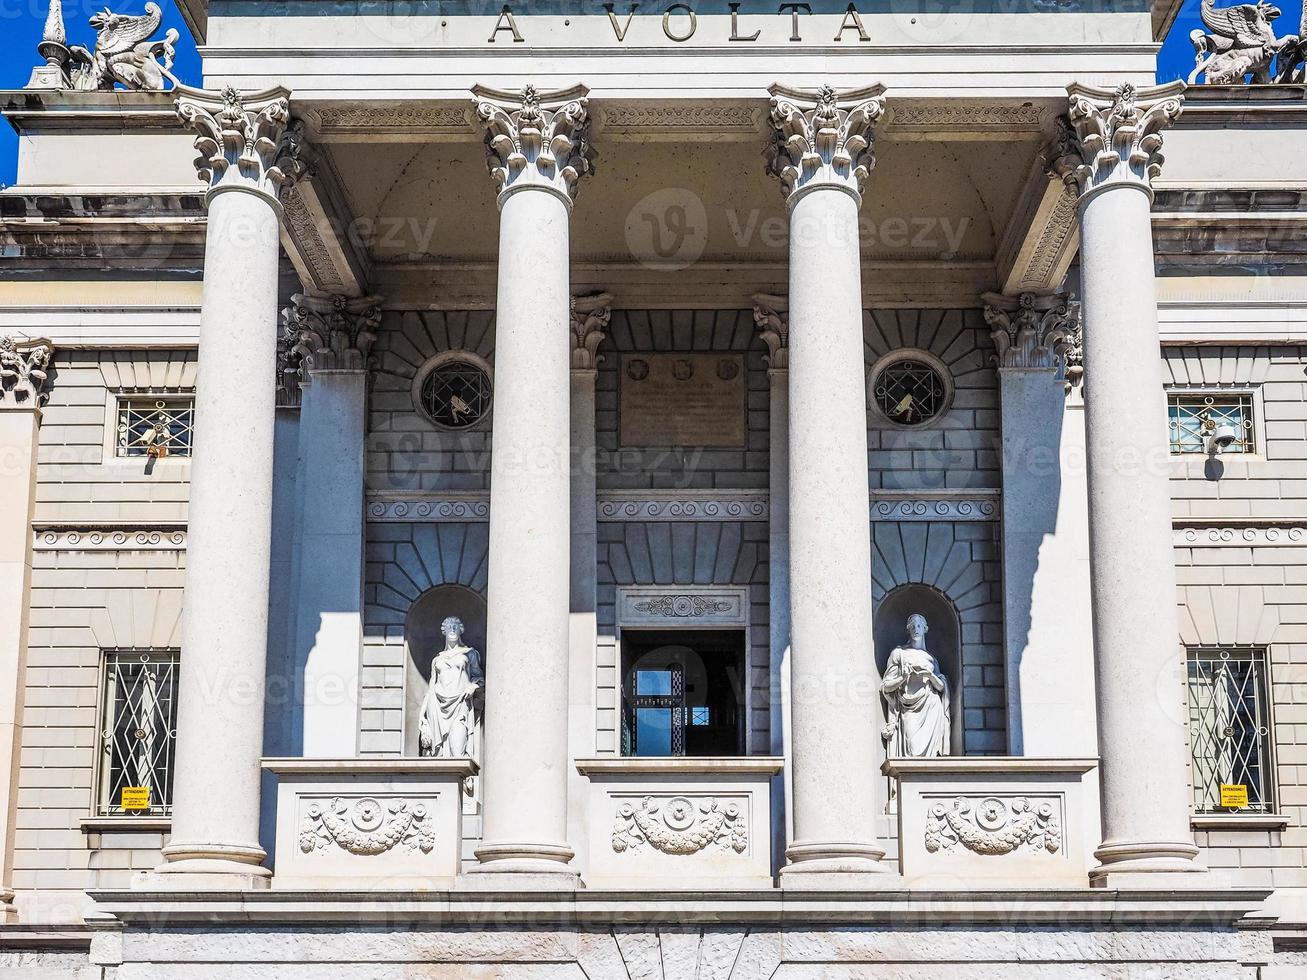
683	692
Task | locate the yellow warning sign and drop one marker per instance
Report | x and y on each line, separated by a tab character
1234	795
138	797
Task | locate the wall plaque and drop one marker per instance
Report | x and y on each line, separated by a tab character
682	400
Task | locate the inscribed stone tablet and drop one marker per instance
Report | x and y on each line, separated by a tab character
682	400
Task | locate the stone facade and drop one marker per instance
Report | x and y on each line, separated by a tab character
682	412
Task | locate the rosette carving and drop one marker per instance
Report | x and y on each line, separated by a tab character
823	138
366	826
1113	137
536	139
993	826
680	825
245	141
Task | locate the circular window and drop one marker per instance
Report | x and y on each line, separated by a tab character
910	390
455	394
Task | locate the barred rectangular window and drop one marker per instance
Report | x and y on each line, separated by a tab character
1195	417
138	732
153	426
1230	730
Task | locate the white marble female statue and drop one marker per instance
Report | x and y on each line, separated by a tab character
917	697
451	711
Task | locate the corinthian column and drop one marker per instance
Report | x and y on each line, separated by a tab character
24	388
822	153
248	150
537	155
1110	153
331	337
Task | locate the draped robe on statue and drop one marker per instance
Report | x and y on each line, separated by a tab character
919	723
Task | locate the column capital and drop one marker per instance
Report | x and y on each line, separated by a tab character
1113	137
247	141
328	333
536	139
1031	330
24	378
589	317
771	315
823	138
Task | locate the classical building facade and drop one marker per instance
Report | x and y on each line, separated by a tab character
831	502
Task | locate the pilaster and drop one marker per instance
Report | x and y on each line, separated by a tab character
24	389
590	315
331	338
771	317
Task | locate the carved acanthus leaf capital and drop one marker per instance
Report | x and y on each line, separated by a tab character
24	372
823	138
771	315
1114	137
1031	330
536	139
246	141
589	315
329	333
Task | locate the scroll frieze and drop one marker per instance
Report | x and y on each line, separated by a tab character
680	825
366	827
993	826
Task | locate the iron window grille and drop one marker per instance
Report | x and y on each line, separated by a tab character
1230	727
910	392
456	394
138	732
155	427
1194	417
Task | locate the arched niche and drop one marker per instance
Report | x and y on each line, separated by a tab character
944	640
423	640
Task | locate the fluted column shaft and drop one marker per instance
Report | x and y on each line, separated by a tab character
527	649
822	155
1113	156
215	821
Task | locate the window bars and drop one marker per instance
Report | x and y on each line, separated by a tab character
155	427
1196	417
456	395
1230	729
910	392
138	732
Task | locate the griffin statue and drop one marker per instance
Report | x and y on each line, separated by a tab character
123	53
1242	44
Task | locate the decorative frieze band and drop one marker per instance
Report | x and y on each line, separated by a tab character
896	506
645	605
1254	536
734	505
472	506
172	538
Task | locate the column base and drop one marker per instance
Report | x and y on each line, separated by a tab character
508	866
838	866
199	867
1148	864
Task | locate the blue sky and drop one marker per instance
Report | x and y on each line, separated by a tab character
21	22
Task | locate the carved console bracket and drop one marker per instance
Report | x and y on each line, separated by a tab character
771	315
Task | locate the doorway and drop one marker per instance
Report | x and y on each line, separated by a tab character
683	692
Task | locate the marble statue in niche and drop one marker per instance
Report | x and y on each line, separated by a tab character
450	721
916	694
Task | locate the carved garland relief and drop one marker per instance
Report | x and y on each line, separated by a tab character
680	825
993	826
366	826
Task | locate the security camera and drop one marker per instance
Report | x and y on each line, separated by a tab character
1221	439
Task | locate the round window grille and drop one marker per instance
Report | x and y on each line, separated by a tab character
910	392
456	394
